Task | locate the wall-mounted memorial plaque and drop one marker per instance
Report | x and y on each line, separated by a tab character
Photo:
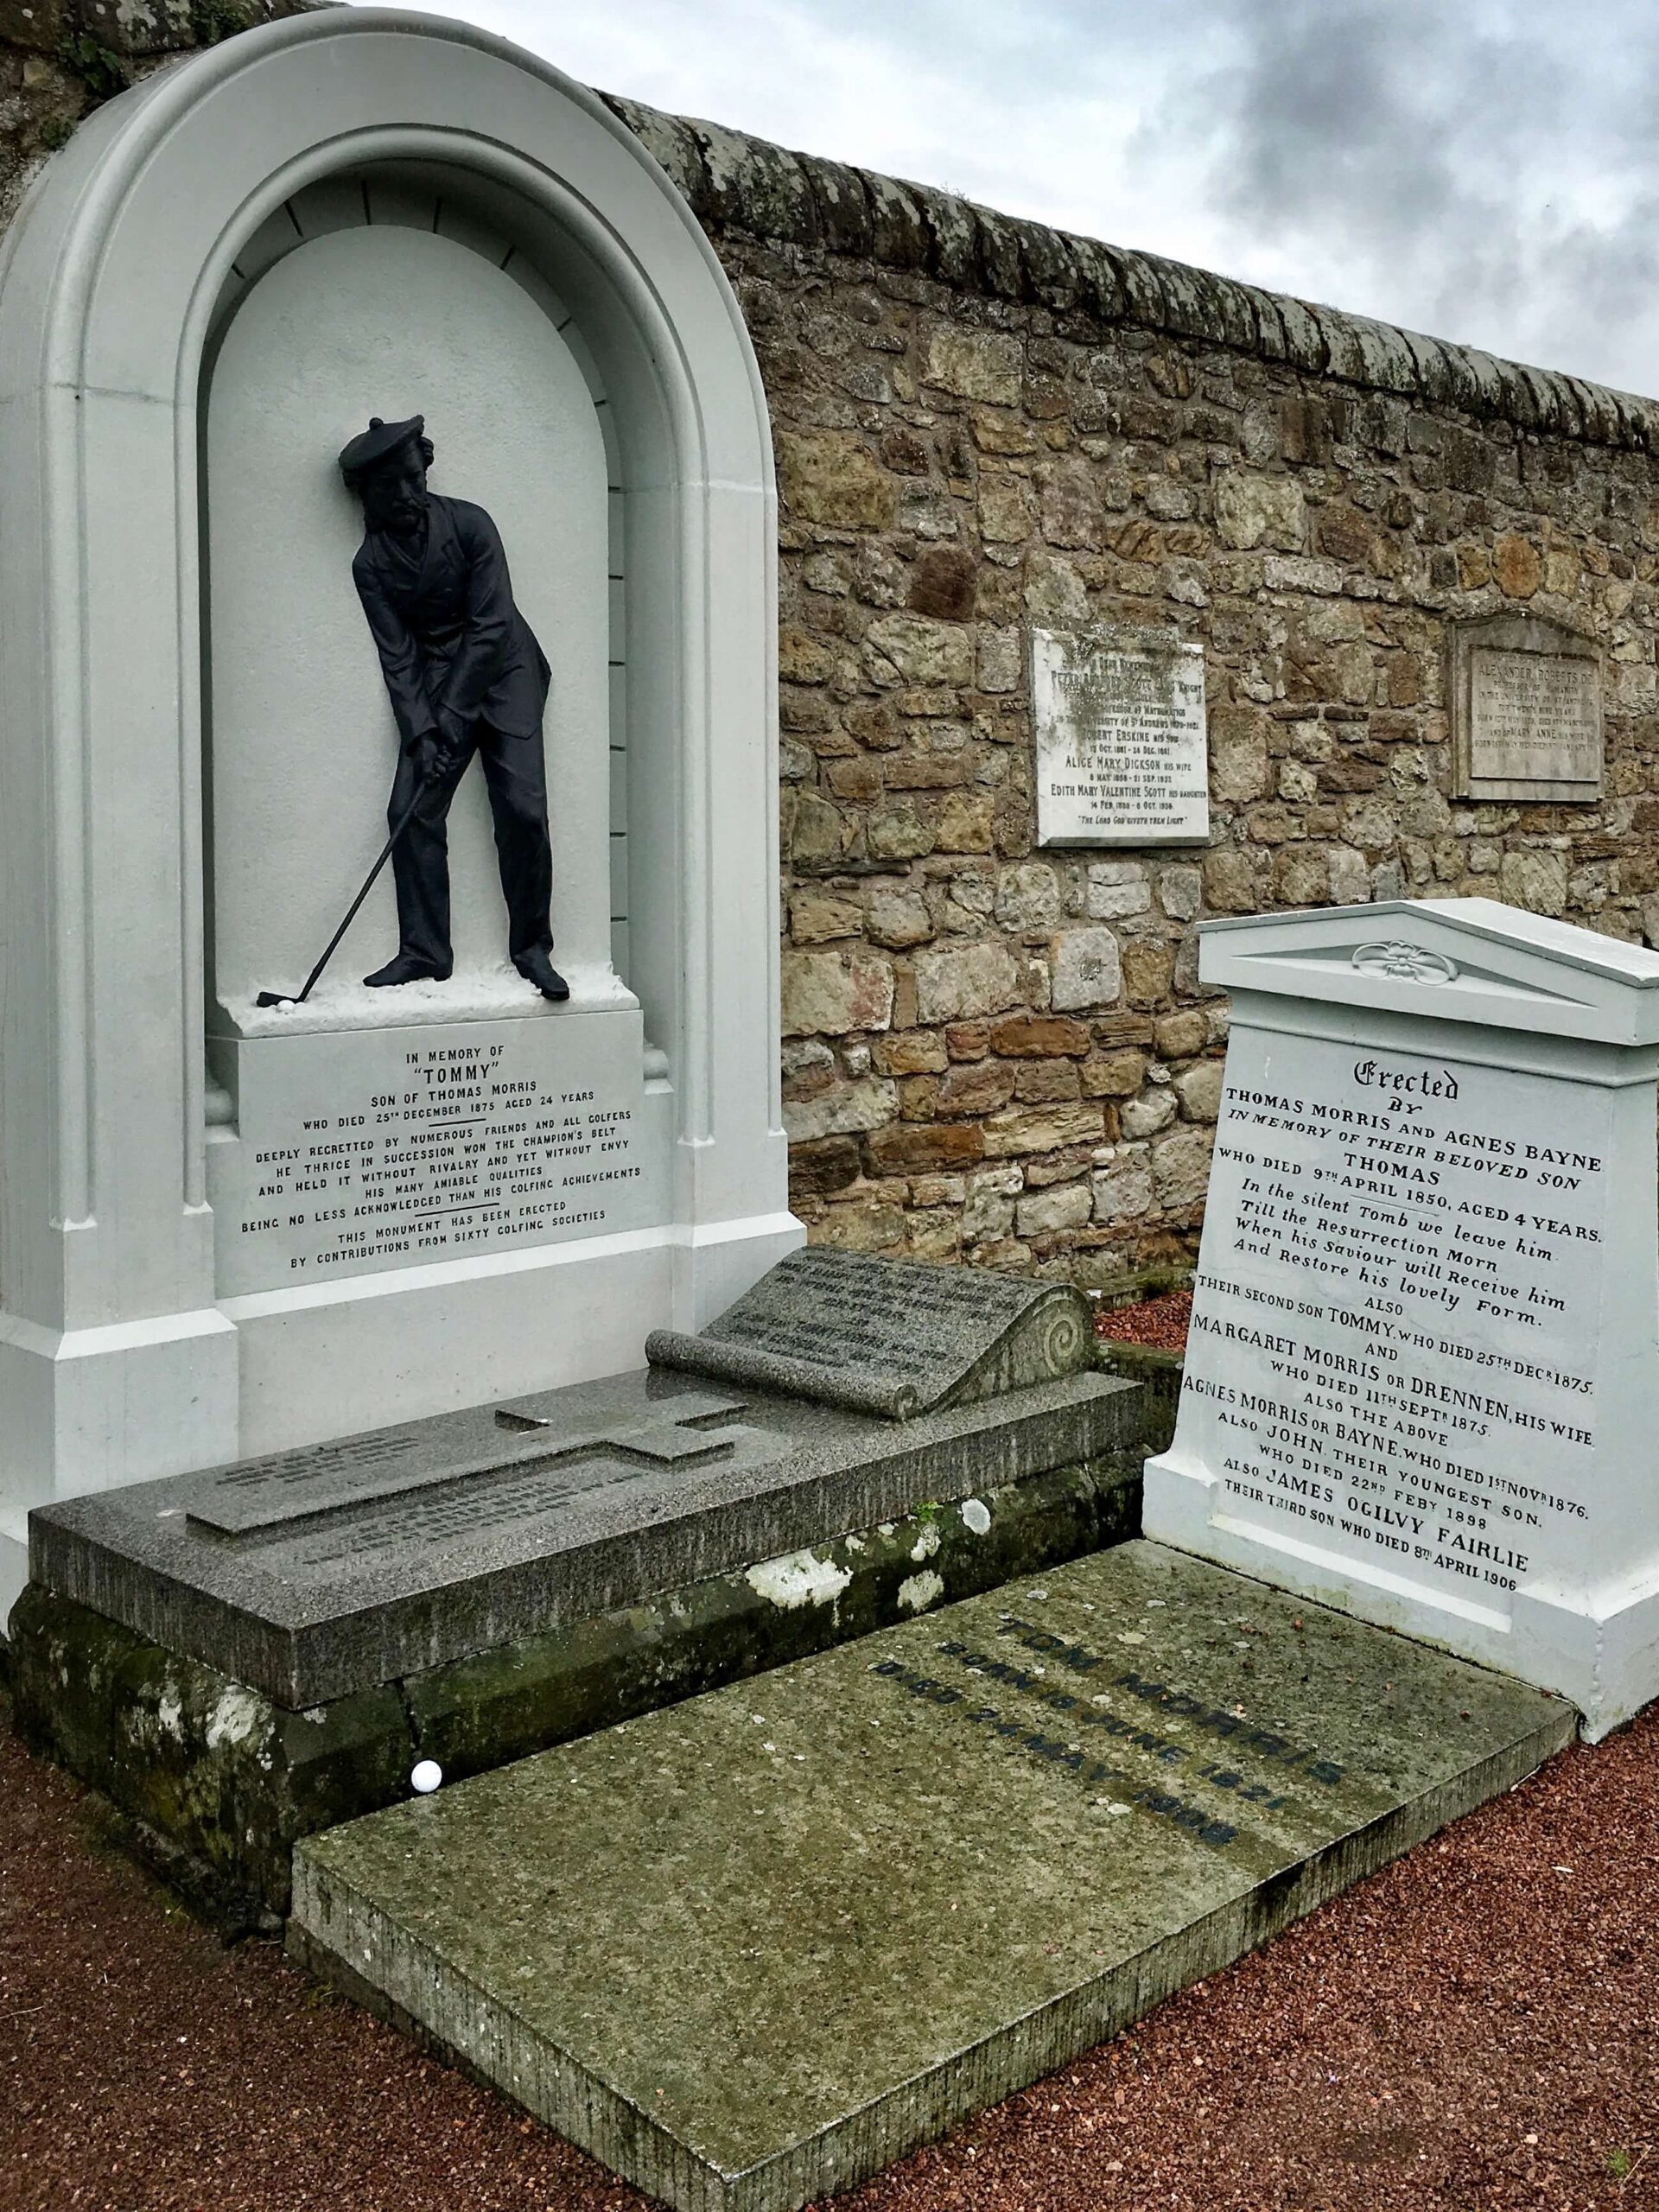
1122	755
1526	710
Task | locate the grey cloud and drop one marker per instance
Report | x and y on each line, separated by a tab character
1485	170
1490	172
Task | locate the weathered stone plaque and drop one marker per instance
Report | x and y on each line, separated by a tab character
1422	1359
1526	710
751	1949
884	1337
1122	755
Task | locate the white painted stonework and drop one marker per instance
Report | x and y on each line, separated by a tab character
219	278
1422	1377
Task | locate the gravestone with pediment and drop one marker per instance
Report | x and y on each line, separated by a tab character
1423	1364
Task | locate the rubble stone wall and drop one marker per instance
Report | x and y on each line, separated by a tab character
1000	1054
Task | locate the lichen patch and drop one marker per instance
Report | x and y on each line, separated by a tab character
798	1579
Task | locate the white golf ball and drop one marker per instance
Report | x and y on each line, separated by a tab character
425	1776
285	1005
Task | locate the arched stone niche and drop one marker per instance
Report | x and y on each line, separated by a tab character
237	193
301	742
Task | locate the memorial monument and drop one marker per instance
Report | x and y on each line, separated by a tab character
233	1228
1423	1364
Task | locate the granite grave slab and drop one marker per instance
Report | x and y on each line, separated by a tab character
312	1574
320	1572
750	1950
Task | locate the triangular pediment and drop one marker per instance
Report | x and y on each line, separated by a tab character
1447	959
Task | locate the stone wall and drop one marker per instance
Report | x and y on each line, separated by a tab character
1000	1055
60	59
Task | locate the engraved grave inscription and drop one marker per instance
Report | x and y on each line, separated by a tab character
1391	1346
1121	752
1526	710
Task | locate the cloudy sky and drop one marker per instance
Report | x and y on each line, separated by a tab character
1484	169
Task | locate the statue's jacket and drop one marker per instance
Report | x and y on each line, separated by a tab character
453	645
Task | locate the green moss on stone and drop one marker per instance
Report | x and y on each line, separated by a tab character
219	1782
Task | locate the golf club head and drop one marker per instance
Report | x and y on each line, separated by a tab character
275	998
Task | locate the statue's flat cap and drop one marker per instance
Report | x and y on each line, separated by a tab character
378	444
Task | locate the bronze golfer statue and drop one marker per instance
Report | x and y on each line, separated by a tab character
465	676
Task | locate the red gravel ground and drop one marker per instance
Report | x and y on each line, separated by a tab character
1160	1322
1472	2028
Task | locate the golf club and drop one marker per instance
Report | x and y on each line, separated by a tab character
299	998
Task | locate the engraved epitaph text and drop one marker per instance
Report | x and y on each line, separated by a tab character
1392	1347
399	1147
1122	756
1535	717
817	1307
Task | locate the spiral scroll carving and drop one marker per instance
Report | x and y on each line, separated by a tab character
1065	1337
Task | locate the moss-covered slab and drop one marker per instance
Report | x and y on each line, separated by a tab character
219	1781
343	1566
749	1950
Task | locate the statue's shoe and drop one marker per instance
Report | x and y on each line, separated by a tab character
536	967
406	968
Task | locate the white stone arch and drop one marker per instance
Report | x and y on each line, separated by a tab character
117	1360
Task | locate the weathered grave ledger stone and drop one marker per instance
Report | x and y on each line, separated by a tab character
316	1574
1122	753
751	1949
1424	1360
886	1336
491	1580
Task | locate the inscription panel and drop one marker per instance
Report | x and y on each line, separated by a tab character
1122	753
885	1336
1535	717
1527	711
397	1147
828	1307
474	1517
1391	1346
